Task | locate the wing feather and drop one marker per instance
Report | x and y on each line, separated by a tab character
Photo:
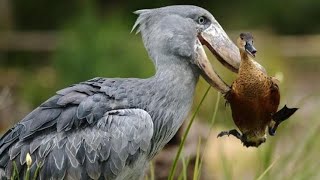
82	132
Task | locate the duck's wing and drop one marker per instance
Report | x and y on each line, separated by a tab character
274	94
81	133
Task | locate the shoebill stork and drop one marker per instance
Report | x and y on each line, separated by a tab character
110	128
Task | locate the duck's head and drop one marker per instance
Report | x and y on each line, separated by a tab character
178	33
254	138
245	44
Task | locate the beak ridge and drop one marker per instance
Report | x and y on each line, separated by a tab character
218	42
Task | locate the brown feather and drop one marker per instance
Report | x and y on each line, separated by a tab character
254	98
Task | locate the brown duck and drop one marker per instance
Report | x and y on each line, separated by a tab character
254	99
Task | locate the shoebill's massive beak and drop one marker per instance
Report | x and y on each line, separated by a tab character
218	42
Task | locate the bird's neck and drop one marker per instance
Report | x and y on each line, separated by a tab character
244	56
250	80
176	69
247	65
172	96
175	82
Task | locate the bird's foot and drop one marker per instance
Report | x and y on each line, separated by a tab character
233	132
272	129
280	116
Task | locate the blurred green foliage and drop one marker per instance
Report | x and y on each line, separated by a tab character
286	16
94	47
89	47
94	37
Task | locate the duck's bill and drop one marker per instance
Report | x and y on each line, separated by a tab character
223	49
253	54
250	49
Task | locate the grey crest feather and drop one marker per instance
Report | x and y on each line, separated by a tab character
142	17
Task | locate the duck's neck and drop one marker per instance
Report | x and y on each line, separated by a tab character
250	79
247	63
172	95
244	55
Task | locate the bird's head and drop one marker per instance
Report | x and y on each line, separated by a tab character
245	44
181	31
254	138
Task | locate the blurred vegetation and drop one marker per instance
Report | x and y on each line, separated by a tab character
92	47
286	17
93	39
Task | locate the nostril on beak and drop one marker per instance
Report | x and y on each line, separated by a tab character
254	51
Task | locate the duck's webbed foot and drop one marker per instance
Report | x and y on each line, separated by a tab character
233	132
279	117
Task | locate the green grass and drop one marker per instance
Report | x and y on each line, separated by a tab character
197	168
286	156
184	137
267	170
199	157
27	176
291	154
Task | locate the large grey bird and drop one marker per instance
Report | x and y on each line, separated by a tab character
110	128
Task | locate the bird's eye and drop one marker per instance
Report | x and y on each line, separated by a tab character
202	20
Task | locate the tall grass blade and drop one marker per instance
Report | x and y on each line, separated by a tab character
151	171
267	170
37	171
15	175
184	137
183	174
213	118
196	170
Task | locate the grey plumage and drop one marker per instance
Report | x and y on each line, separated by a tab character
109	128
88	134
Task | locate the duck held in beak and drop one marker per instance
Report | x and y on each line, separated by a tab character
254	99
